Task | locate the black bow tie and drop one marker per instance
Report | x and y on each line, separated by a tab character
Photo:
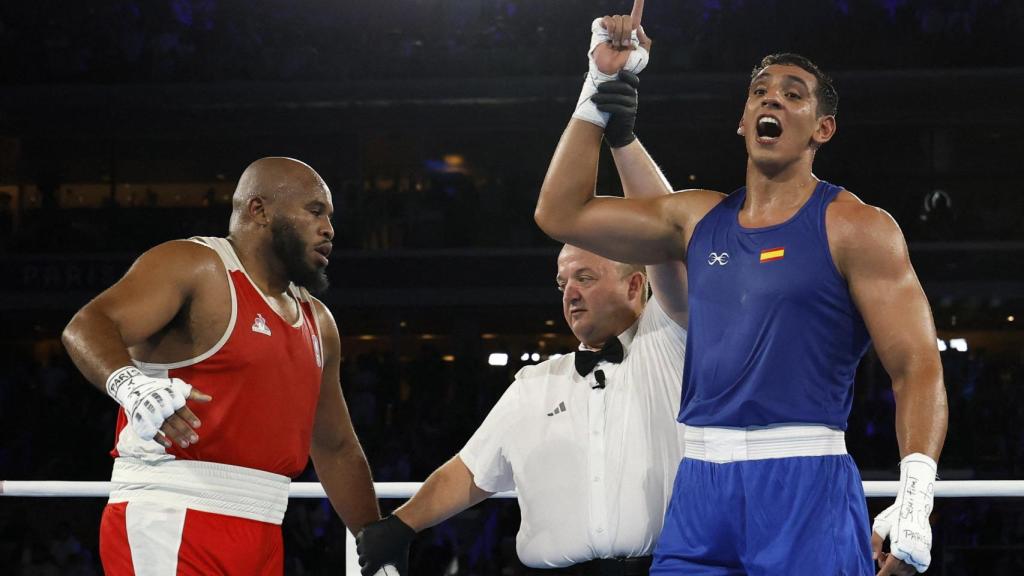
587	359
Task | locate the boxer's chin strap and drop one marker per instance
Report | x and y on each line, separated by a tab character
637	61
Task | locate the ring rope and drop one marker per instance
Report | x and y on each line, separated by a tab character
872	488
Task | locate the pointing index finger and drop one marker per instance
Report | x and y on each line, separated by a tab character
638	12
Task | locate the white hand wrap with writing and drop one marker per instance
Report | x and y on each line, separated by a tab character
147	401
906	521
585	108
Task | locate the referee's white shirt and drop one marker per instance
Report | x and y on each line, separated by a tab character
593	467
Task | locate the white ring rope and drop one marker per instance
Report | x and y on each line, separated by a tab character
60	489
873	488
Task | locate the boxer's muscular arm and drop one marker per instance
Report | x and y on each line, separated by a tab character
638	230
871	253
135	308
138	306
337	455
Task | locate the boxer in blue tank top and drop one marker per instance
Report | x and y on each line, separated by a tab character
790	279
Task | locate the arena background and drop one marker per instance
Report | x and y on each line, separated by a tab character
125	123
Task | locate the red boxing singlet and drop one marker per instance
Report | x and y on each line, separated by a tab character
264	376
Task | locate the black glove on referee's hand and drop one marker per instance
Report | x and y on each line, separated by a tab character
618	98
384	542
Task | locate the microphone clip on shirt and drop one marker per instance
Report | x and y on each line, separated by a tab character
599	376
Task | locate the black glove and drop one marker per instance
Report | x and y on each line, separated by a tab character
618	98
384	542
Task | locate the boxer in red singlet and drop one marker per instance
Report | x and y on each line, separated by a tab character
227	372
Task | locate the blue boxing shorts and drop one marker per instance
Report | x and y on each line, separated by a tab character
761	517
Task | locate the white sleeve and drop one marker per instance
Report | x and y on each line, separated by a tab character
662	344
654	318
486	453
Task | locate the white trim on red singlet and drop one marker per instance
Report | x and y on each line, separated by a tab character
305	296
237	265
229	260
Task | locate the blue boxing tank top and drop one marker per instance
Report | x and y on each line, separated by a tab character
774	336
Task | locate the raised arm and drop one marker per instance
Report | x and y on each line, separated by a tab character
641	178
644	231
649	227
337	455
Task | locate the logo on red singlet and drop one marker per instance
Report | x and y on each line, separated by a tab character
260	325
316	350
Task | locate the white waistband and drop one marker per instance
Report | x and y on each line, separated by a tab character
722	445
207	486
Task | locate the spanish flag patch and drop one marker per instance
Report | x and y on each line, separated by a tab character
771	254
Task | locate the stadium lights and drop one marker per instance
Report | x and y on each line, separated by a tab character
498	359
958	344
942	345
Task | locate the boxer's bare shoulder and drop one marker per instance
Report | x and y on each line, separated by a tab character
185	285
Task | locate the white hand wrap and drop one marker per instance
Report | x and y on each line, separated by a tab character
147	401
587	110
906	521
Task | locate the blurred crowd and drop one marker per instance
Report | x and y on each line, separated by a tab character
218	40
441	211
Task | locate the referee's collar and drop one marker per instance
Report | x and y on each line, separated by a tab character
626	339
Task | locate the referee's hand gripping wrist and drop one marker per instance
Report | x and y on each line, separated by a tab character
618	99
155	405
382	543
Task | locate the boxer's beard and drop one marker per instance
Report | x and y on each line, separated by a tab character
294	253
